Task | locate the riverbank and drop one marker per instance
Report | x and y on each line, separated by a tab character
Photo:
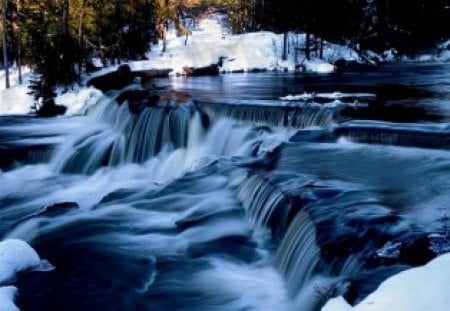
211	42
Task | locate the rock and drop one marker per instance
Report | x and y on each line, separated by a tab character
132	95
211	70
114	80
59	209
153	73
153	100
138	99
342	64
50	109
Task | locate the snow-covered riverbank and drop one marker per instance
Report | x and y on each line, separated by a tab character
17	100
210	41
417	289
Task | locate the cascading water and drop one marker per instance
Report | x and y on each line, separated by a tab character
217	206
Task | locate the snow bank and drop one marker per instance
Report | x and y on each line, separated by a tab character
15	101
417	289
246	52
16	256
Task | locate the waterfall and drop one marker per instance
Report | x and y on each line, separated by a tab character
278	115
298	254
409	135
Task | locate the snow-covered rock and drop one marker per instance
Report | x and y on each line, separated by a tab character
16	256
79	101
7	296
417	289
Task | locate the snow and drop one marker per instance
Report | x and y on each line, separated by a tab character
16	256
335	95
79	101
245	52
7	296
417	289
17	101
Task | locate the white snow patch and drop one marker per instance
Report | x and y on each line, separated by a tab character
16	100
336	96
79	101
417	289
244	52
16	256
7	296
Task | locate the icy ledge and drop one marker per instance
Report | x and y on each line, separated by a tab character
417	289
16	256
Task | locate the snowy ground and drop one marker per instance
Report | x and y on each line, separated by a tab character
17	101
212	40
418	289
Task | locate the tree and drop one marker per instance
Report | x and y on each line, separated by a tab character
5	43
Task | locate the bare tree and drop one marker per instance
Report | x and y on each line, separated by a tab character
5	44
19	40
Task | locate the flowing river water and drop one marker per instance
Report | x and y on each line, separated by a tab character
235	199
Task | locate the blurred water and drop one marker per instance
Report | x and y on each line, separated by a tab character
235	200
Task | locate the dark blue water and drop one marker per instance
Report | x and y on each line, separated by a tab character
235	199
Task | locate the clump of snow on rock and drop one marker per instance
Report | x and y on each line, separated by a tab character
417	289
78	102
16	256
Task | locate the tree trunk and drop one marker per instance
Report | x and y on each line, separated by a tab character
321	48
5	45
80	39
65	17
308	46
285	45
164	37
19	40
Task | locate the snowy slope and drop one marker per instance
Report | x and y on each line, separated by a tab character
418	289
245	52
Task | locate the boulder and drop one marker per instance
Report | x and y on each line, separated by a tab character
116	80
211	70
50	109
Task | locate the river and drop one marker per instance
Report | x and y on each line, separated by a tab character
235	199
